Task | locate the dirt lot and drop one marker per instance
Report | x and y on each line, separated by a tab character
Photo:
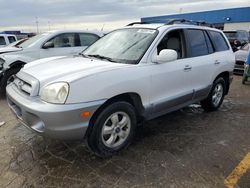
187	148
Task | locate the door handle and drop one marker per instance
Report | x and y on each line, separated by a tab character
187	68
217	62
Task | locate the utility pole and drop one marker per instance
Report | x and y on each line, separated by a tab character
49	25
180	11
103	27
37	25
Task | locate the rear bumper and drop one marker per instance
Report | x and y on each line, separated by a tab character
52	120
239	67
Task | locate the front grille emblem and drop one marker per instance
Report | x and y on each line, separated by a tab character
20	84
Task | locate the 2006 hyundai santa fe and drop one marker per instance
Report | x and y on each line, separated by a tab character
136	73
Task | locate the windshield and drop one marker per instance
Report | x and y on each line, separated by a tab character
31	41
122	46
242	35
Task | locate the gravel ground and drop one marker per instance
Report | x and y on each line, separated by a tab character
187	148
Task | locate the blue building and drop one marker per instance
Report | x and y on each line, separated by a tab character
226	19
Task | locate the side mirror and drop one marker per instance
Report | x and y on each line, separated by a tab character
48	45
167	55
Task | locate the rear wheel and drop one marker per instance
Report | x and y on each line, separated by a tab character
113	129
6	79
216	95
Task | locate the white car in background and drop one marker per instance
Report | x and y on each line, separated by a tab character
6	39
49	44
240	57
12	47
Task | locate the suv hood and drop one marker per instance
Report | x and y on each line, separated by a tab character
9	49
67	68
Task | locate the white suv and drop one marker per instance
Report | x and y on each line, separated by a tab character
132	74
6	39
49	44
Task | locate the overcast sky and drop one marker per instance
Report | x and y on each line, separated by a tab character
95	14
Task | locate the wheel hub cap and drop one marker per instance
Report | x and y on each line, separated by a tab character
217	94
116	129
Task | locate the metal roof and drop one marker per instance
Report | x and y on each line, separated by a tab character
233	15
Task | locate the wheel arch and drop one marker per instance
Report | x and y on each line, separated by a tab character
132	98
17	64
226	76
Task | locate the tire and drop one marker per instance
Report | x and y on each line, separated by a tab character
216	96
7	75
107	143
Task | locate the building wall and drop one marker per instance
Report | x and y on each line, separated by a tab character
237	26
227	16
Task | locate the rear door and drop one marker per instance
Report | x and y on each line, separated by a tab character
224	57
201	51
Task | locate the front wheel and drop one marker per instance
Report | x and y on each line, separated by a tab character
113	129
216	96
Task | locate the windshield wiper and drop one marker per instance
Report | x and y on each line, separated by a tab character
83	55
101	57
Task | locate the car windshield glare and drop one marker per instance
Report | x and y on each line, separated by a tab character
123	46
31	41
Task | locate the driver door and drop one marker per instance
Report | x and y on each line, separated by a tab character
171	80
62	45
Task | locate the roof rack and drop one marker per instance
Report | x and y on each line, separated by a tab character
178	21
191	22
133	23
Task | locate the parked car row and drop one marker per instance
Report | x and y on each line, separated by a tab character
49	44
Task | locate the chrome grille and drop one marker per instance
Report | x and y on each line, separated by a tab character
26	84
22	85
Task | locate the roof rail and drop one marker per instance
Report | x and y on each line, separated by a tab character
178	21
192	22
133	23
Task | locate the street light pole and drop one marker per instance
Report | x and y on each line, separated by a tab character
37	25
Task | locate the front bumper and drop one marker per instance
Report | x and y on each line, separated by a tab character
52	120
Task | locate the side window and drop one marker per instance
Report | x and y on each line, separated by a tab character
219	41
63	40
2	41
196	42
87	39
172	40
12	39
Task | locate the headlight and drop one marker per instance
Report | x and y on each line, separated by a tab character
55	93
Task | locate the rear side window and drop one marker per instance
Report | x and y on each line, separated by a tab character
12	39
2	41
219	41
197	43
87	39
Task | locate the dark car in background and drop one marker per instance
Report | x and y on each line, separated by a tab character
241	36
